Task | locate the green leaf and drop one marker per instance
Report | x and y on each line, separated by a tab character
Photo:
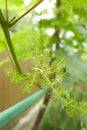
81	30
2	45
75	3
26	43
76	68
69	123
16	2
2	41
12	4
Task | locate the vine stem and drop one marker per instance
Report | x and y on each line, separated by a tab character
6	3
29	10
10	56
9	41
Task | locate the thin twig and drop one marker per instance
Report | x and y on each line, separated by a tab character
6	2
26	13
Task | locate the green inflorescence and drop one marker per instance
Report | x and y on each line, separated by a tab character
69	100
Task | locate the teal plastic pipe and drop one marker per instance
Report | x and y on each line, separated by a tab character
11	113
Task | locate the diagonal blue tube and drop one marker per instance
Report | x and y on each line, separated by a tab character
11	113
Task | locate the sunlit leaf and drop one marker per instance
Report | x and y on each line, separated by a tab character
2	41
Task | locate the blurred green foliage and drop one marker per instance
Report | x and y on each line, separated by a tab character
56	118
69	66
